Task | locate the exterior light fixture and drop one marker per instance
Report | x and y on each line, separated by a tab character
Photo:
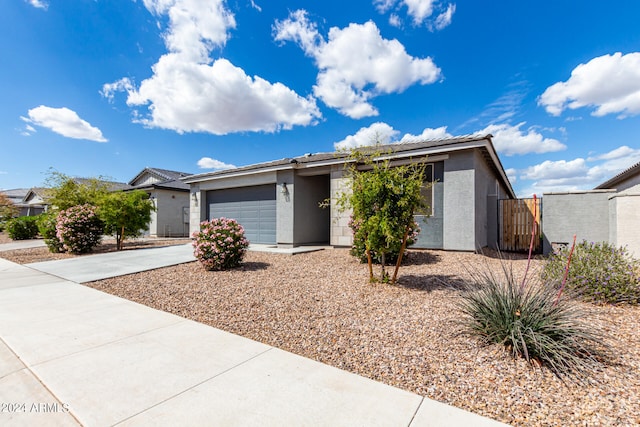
284	190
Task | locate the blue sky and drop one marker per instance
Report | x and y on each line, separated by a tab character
106	88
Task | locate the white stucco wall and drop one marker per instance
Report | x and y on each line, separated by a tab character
341	234
625	216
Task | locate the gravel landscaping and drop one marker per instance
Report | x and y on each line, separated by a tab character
319	305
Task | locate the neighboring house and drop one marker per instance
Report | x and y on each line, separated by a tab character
170	197
609	213
16	196
33	202
278	202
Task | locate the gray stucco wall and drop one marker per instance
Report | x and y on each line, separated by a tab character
585	214
459	202
311	222
625	224
285	208
169	218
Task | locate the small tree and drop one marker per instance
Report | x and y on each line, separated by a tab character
383	199
7	209
125	214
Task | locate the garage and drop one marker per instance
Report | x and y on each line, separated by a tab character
253	207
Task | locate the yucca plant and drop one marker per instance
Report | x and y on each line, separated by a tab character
533	320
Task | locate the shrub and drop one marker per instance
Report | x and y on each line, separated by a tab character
599	272
79	229
220	244
359	251
22	228
532	322
47	227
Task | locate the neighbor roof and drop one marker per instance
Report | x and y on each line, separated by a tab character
622	176
398	150
168	179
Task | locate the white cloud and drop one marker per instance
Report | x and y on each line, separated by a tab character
577	174
428	134
376	133
209	163
420	11
190	92
38	4
62	121
510	140
355	63
256	6
609	83
512	174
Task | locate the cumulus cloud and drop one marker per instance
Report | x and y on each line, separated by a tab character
434	14
428	134
378	132
62	121
190	92
38	4
577	174
608	83
355	63
510	140
209	163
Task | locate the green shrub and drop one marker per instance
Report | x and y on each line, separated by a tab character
533	322
220	244
359	250
79	228
22	228
599	272
47	227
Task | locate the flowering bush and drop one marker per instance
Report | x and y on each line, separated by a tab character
79	229
359	250
220	244
599	272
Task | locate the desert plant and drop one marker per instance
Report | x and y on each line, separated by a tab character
533	320
79	228
22	228
47	227
125	214
220	244
600	272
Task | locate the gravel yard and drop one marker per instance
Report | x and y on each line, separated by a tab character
319	305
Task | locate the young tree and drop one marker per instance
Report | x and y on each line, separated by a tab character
125	214
383	199
7	209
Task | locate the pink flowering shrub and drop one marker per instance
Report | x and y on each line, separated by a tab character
79	229
220	244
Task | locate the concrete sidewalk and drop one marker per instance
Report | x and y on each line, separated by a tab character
74	355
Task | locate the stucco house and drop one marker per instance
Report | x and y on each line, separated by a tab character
171	198
278	202
33	206
608	213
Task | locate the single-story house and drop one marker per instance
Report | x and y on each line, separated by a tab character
171	198
608	213
278	202
17	197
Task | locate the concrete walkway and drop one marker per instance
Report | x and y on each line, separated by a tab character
73	355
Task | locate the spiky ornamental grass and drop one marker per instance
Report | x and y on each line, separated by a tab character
532	323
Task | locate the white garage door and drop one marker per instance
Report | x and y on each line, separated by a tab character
253	207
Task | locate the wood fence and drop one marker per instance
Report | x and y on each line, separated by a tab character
515	223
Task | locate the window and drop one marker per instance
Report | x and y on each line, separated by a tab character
427	188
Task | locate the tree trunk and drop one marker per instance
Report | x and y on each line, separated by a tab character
119	237
402	248
370	262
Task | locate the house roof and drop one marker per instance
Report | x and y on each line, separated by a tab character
167	179
622	176
398	150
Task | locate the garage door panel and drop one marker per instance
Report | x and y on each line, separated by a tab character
253	207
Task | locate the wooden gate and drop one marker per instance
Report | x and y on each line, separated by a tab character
515	223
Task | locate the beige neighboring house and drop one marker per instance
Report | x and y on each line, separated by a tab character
32	202
170	197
